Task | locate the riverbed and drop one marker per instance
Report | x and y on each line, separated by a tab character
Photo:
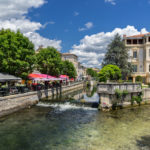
65	124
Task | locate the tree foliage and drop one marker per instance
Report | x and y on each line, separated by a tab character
117	54
91	72
139	79
109	72
49	61
69	69
17	55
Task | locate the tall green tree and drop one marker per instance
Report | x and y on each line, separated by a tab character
117	54
69	69
17	54
49	61
91	72
109	72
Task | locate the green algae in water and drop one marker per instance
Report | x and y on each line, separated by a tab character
69	127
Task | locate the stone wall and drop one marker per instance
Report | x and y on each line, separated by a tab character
107	94
110	88
13	103
146	94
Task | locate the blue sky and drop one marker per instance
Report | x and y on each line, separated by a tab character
104	16
83	27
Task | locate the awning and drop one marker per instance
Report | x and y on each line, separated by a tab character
42	77
64	77
6	77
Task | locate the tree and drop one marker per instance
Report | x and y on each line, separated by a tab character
91	72
17	54
69	69
49	61
117	54
109	72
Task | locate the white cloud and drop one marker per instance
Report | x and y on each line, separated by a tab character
39	40
88	26
92	49
12	16
24	25
76	13
111	2
47	23
16	8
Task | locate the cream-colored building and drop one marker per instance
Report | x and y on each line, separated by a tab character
81	70
72	58
139	55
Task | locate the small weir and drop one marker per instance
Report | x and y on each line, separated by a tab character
81	98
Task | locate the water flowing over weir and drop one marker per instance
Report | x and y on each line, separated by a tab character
66	123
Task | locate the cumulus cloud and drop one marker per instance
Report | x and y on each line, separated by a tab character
111	2
39	40
87	26
92	49
16	8
12	16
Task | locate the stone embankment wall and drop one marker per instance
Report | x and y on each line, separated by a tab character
13	103
107	95
146	94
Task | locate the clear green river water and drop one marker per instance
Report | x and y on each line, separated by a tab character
63	124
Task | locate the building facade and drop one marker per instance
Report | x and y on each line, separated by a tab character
139	55
81	70
72	58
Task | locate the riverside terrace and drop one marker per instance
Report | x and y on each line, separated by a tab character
12	85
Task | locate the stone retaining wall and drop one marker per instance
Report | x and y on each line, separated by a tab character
146	94
13	103
107	93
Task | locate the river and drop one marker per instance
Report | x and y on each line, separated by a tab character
65	124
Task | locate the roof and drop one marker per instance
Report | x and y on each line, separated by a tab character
138	36
6	77
68	54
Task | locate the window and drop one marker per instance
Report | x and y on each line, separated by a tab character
128	41
149	39
134	41
149	68
141	41
134	68
135	54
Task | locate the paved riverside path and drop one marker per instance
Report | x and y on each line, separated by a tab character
13	103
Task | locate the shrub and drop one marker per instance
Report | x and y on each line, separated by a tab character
137	99
109	72
139	79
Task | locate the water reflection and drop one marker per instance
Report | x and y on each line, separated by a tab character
68	126
88	94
